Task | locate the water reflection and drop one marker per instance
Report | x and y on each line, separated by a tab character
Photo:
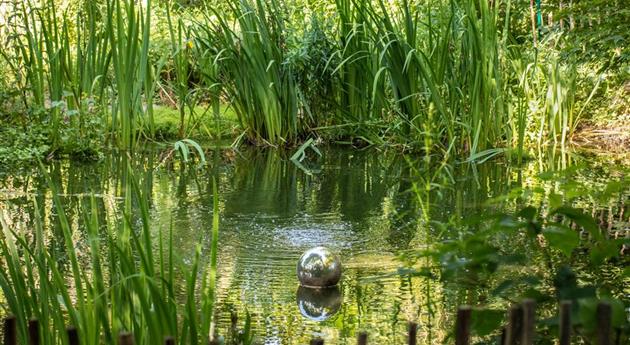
319	304
359	204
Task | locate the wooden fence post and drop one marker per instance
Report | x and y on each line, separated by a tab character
73	335
413	333
10	330
529	321
234	320
125	338
565	322
362	338
503	336
33	332
317	341
515	325
462	325
604	315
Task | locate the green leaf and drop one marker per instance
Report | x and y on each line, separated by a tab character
528	213
580	218
604	250
486	321
562	238
555	201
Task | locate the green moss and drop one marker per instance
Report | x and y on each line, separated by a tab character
201	125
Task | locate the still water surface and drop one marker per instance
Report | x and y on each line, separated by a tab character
358	203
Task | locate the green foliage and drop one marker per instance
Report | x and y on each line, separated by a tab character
77	138
550	253
118	277
309	60
201	125
52	66
128	29
184	146
257	80
458	76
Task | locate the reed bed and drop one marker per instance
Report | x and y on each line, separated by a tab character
438	77
118	276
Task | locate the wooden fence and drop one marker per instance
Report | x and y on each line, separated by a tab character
520	328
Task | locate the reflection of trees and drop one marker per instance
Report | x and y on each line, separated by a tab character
262	182
368	190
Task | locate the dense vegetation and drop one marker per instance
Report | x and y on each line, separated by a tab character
71	257
451	81
471	78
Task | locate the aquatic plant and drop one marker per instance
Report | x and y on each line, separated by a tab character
550	252
181	47
257	80
56	61
121	276
128	30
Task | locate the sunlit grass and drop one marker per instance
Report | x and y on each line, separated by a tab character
201	124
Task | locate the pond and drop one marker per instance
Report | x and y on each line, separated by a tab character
361	204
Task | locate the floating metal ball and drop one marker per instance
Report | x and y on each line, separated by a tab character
319	267
319	304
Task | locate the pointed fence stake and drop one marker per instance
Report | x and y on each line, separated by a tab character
10	331
73	335
503	338
362	338
515	325
413	333
529	321
604	315
33	332
125	338
317	341
234	320
565	322
462	325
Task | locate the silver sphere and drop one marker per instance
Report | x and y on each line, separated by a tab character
319	267
319	304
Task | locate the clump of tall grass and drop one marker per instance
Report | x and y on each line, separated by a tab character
120	275
180	54
360	93
436	67
128	30
545	86
56	60
256	79
63	63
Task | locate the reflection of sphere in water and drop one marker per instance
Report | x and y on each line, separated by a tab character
319	304
319	267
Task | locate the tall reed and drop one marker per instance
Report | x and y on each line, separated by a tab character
360	92
440	64
116	278
257	80
129	27
180	55
56	68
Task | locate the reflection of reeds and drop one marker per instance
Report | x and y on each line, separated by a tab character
115	277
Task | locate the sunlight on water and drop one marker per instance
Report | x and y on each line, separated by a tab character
359	205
